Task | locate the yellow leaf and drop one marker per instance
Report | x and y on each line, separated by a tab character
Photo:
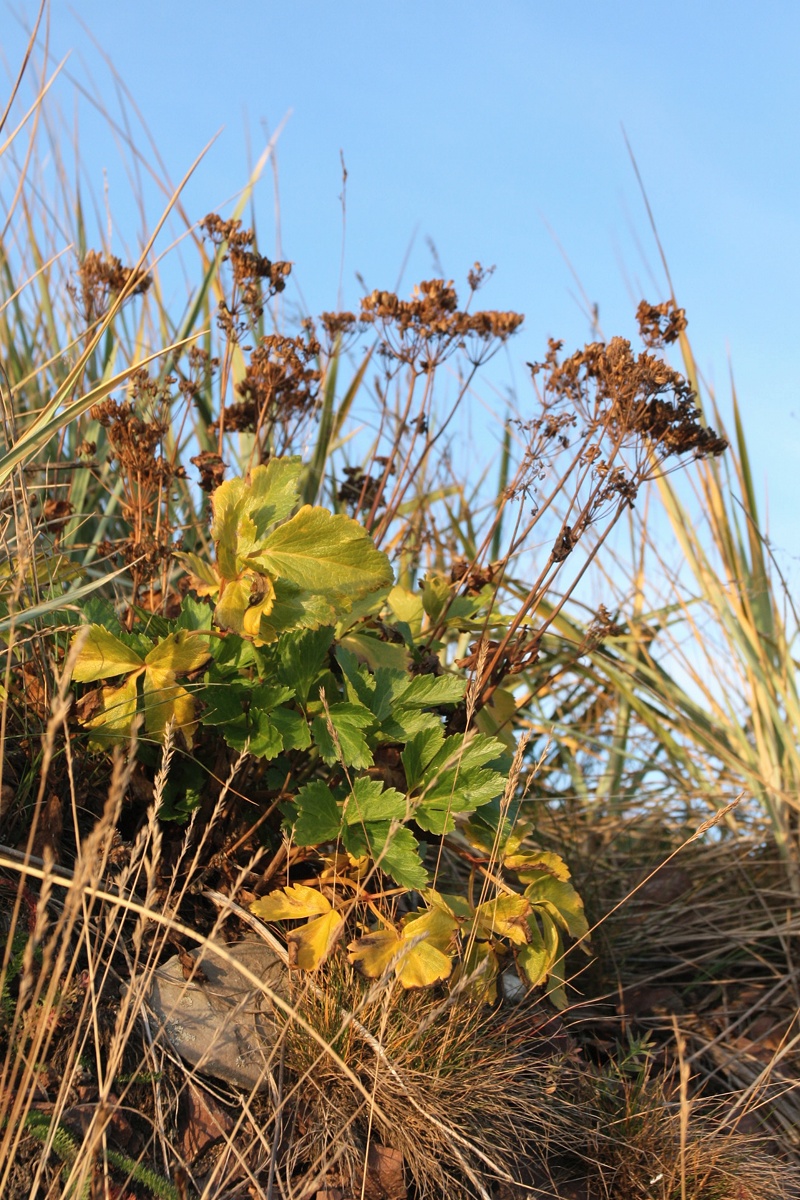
315	940
119	709
180	652
503	917
422	965
203	575
291	903
438	926
417	961
103	656
531	866
165	701
374	952
456	906
244	602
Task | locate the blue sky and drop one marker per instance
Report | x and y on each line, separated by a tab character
489	128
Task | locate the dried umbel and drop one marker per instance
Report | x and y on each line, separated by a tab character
660	324
136	446
100	278
252	273
279	390
623	402
426	329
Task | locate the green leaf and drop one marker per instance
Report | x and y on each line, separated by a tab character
194	614
400	858
420	749
292	727
349	722
376	653
319	818
103	656
301	657
99	611
371	801
534	956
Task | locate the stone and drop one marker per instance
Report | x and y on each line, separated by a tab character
216	1020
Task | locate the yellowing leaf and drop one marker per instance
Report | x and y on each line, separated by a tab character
537	863
180	652
438	926
203	575
480	968
165	701
291	903
415	965
559	898
325	553
407	606
535	958
119	709
456	906
504	916
374	952
244	602
314	941
102	656
423	965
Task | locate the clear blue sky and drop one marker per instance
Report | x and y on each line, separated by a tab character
483	127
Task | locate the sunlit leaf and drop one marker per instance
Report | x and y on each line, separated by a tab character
503	916
537	864
291	903
180	652
418	964
244	602
374	952
203	575
119	709
437	925
165	701
327	553
347	741
559	898
102	656
314	941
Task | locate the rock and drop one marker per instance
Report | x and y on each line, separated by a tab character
216	1020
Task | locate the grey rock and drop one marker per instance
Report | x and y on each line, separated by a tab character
222	1025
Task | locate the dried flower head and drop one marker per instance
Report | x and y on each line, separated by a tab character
251	273
660	324
100	277
430	326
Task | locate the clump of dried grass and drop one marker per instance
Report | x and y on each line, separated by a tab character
698	954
